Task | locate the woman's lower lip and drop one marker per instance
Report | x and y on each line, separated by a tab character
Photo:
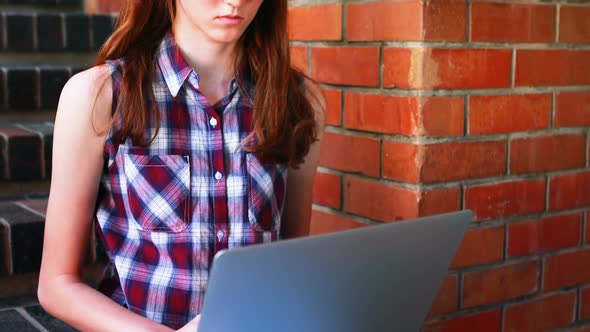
229	20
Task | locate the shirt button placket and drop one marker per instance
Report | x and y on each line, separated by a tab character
220	208
220	235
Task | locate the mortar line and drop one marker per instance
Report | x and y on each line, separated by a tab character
556	23
552	115
469	19
513	69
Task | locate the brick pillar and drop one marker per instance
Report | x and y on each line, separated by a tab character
440	105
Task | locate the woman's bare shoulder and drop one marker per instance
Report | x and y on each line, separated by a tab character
87	96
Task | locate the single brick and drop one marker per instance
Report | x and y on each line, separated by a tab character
326	189
551	233
77	32
45	131
479	246
509	113
500	283
1	31
26	233
321	22
350	153
299	58
22	87
346	65
574	24
560	67
462	160
491	201
567	269
380	113
19	32
572	109
542	314
384	20
510	22
49	32
333	107
374	199
23	154
547	153
52	82
102	28
569	191
438	201
3	106
585	303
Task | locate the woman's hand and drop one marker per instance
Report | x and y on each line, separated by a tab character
192	326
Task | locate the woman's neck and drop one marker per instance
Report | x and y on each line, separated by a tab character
214	62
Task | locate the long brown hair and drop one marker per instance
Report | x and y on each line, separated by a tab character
284	123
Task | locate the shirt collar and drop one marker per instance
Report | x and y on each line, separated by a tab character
174	68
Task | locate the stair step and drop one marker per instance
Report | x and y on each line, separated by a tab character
44	59
12	320
28	116
22	224
21	235
25	151
15	190
42	44
42	5
26	88
53	32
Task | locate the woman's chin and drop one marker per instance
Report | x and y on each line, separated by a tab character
225	36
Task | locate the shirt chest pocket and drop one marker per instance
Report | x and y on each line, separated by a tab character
266	194
158	191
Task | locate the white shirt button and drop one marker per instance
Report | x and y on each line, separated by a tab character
213	122
220	234
218	176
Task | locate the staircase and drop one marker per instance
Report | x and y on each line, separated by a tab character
42	44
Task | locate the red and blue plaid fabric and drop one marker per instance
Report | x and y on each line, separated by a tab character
166	209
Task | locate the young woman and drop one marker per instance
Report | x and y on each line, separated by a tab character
211	142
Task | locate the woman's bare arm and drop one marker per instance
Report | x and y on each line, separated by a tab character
76	171
298	202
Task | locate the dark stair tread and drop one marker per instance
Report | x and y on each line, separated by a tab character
42	5
49	322
27	88
26	150
12	320
54	32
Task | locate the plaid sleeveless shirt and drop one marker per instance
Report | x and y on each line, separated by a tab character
165	210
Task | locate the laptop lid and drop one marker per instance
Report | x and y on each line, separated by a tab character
378	278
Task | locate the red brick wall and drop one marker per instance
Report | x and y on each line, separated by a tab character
440	105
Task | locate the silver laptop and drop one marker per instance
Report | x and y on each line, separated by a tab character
378	278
